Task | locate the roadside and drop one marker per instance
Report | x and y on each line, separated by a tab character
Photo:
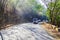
52	32
6	26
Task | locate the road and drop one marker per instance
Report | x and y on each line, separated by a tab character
26	31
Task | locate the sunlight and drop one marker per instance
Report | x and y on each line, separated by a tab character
42	3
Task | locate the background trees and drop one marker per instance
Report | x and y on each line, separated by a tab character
53	12
11	11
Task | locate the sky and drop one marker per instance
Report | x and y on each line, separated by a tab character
42	3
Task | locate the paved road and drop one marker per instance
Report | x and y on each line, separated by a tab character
26	31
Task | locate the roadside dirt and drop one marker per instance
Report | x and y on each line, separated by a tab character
51	31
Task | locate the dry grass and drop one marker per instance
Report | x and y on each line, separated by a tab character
52	32
5	26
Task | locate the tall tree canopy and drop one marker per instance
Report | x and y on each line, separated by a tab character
53	12
11	10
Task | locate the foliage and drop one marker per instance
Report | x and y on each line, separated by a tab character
38	7
53	12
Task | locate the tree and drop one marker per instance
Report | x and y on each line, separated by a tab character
53	12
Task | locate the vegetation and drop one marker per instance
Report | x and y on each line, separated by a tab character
53	12
8	10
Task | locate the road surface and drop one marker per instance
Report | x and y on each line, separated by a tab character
26	31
